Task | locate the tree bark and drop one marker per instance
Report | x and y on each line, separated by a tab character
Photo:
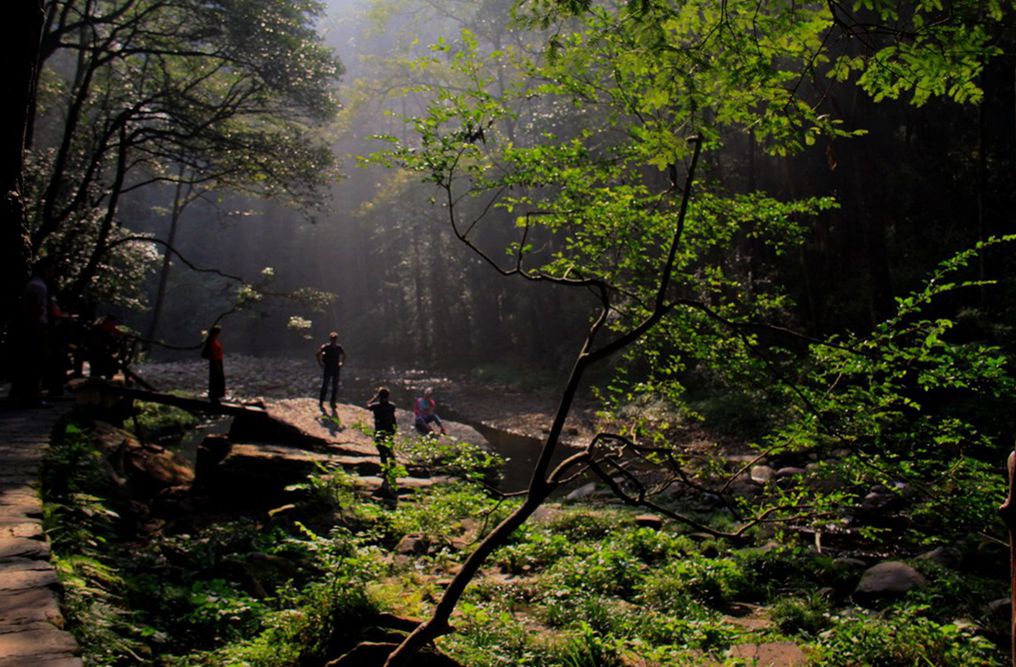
22	39
180	201
1008	513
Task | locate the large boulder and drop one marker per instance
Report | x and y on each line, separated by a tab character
887	580
140	471
255	475
300	422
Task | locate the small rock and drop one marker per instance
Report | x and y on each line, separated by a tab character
413	544
1000	610
847	562
583	491
762	474
880	499
789	471
886	580
944	556
649	521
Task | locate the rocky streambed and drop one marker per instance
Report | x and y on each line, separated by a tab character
511	422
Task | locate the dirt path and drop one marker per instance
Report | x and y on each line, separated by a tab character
31	625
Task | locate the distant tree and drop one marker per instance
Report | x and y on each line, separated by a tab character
135	88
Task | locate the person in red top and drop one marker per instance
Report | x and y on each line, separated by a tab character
215	355
424	415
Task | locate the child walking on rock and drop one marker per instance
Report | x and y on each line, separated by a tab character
384	434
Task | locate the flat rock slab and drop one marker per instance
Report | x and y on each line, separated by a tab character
404	483
18	574
58	660
31	632
23	547
774	654
22	495
20	527
36	640
24	508
35	605
351	425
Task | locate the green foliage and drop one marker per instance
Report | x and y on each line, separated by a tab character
441	511
679	584
806	615
80	526
906	638
902	403
217	95
588	649
158	420
454	457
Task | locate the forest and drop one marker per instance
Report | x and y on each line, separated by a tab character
717	301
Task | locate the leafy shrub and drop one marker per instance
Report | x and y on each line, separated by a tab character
456	458
681	582
801	615
439	512
587	648
490	636
901	640
80	525
655	546
596	569
583	524
537	551
159	421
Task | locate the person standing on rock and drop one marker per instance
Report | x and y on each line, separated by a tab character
330	357
384	435
214	353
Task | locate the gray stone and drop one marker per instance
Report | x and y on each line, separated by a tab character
37	640
23	547
1000	610
761	474
35	605
18	574
888	579
583	491
944	556
56	660
20	527
789	471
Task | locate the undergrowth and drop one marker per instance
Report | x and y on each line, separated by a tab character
579	587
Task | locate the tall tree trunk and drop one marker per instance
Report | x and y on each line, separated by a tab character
1008	513
23	36
180	200
77	291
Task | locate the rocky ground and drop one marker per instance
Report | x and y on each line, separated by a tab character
459	397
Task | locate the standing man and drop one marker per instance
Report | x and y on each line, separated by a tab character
30	329
330	358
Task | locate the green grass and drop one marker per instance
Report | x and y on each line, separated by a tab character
583	586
